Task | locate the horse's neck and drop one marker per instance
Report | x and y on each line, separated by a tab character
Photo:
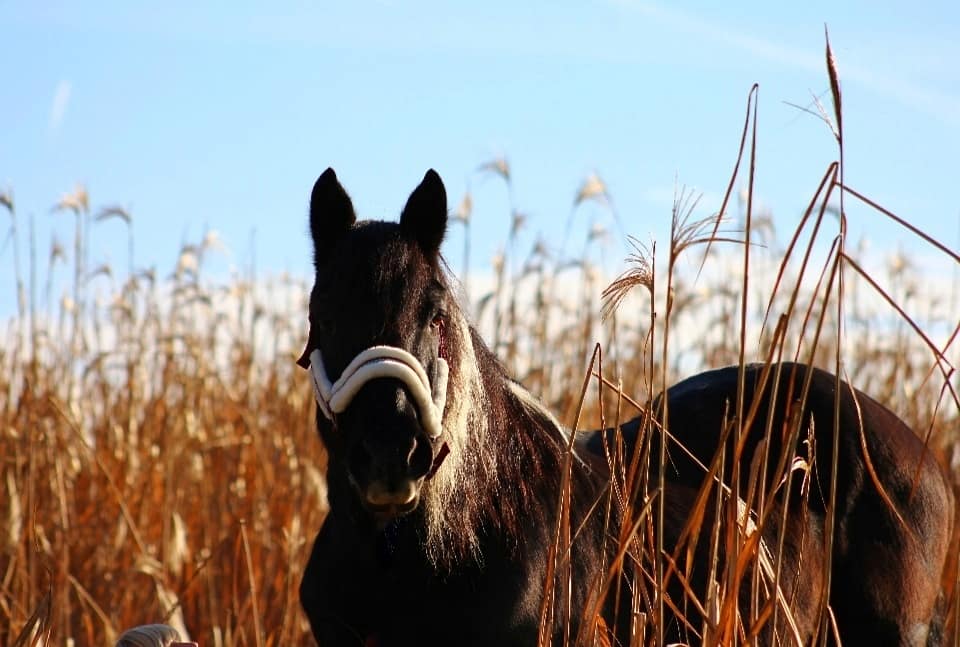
533	453
528	441
511	405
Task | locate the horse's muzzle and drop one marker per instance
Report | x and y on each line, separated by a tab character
389	453
401	498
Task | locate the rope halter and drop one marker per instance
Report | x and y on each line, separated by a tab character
383	361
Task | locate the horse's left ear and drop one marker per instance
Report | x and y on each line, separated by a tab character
331	213
425	216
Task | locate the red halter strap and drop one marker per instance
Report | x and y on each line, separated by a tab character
438	460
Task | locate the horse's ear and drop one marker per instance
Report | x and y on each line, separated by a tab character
425	216
304	361
331	213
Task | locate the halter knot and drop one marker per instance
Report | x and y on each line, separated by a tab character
383	361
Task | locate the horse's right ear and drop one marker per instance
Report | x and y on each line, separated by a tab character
425	216
331	213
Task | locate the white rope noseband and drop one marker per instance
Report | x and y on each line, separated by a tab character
383	361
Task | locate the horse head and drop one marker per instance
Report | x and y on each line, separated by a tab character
376	346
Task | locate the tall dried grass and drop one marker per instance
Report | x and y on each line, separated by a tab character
161	463
794	312
159	458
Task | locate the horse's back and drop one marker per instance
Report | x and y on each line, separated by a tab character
893	504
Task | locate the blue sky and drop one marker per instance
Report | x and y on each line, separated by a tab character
221	115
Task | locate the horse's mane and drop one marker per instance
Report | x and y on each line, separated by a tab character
506	452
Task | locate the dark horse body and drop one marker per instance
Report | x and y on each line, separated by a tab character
446	539
889	547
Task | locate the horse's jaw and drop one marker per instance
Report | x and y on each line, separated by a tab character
387	515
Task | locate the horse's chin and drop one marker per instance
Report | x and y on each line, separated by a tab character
384	514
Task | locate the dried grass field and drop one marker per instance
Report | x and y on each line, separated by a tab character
158	455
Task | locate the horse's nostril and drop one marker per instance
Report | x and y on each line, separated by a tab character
412	450
420	458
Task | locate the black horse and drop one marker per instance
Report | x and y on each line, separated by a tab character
444	474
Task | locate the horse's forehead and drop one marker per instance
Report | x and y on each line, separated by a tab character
375	263
373	254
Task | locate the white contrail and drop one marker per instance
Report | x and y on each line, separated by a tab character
58	109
